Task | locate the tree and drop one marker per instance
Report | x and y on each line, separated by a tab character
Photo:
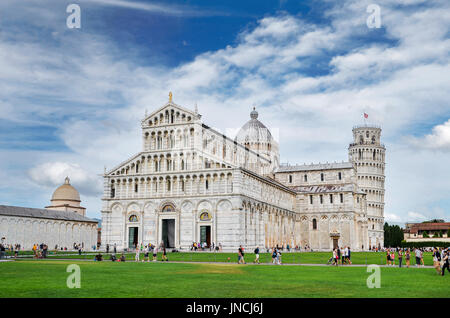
393	235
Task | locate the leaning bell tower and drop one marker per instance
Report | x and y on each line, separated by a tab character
367	154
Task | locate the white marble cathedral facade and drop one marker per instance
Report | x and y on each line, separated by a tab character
191	183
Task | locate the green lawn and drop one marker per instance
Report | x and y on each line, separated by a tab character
47	278
289	258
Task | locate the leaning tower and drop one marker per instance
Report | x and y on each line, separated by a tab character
367	154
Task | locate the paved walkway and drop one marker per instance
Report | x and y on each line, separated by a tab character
234	263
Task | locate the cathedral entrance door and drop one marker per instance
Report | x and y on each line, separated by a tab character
168	233
133	237
205	234
335	242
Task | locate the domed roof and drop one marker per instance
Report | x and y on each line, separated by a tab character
66	192
254	131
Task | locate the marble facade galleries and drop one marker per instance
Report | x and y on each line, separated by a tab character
28	231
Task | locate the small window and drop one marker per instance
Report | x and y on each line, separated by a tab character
367	134
321	199
137	167
322	177
341	197
182	185
290	178
306	178
314	224
133	218
340	175
168	185
310	199
331	198
206	184
113	192
136	188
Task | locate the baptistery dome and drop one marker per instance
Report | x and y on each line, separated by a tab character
66	192
66	198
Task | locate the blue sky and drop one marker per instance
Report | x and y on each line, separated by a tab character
71	99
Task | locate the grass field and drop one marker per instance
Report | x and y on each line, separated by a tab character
47	278
288	258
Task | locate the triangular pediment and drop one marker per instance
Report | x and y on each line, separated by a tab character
170	105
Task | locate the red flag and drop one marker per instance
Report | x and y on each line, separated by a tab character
366	116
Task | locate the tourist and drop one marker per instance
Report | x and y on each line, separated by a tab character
164	256
338	251
274	255
344	255
417	253
107	248
241	254
421	258
256	255
388	258
113	257
392	257
98	257
437	260
136	257
349	256
146	255
279	256
400	257
336	256
115	248
155	253
445	262
408	257
122	257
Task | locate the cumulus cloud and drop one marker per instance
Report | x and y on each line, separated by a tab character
53	174
439	139
312	81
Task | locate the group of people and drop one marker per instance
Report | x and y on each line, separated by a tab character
203	246
341	255
153	249
441	260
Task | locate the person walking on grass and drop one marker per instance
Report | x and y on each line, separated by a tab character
274	255
241	255
445	262
164	256
421	258
417	253
393	257
136	257
437	260
400	257
155	253
256	255
335	257
388	257
407	257
146	257
279	256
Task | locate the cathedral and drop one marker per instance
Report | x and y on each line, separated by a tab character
191	183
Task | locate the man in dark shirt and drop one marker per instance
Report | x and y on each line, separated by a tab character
256	255
446	262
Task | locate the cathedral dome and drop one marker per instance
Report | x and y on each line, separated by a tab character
254	131
66	192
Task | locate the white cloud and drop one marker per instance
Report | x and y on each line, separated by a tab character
414	216
271	65
53	174
439	139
